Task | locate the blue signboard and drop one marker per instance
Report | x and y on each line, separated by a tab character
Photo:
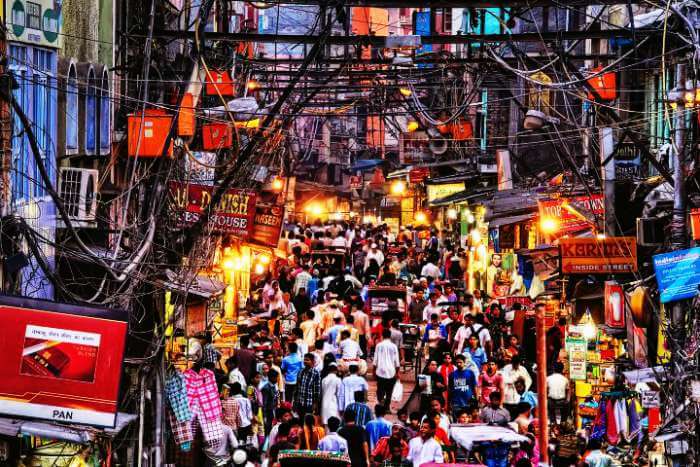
678	274
422	27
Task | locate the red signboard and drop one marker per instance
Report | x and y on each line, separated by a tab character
60	362
267	224
608	255
419	174
588	207
233	215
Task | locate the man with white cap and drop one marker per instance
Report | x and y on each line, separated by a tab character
374	253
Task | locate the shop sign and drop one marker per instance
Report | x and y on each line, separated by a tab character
267	224
419	174
35	22
650	399
678	274
356	182
577	359
61	362
628	160
610	255
591	207
444	190
234	214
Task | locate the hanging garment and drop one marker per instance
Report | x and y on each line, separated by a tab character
621	418
635	428
202	388
599	424
611	427
205	404
176	394
182	432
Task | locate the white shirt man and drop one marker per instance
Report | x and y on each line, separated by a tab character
351	384
510	375
386	359
349	349
422	451
245	410
432	308
430	270
339	242
466	330
375	254
557	386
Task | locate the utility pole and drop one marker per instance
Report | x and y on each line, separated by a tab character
608	175
679	239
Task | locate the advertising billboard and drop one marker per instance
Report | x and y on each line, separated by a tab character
233	215
588	207
60	362
610	255
267	225
678	274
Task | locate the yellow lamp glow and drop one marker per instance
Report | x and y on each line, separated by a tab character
405	92
228	265
369	219
549	224
253	85
412	126
421	217
398	188
314	209
277	184
259	269
264	259
475	236
452	213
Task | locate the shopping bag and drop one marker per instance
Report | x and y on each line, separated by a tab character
397	392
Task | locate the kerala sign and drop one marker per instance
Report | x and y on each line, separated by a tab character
609	255
232	215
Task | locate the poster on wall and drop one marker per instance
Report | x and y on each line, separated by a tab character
501	277
678	274
61	362
577	348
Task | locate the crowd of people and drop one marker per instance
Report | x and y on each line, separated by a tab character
299	378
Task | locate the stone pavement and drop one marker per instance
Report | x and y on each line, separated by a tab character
407	379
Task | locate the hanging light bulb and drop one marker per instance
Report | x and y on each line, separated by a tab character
590	331
412	126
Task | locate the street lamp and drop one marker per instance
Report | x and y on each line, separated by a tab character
421	217
277	184
549	224
452	213
398	188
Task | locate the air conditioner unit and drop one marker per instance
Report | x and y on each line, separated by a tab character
78	190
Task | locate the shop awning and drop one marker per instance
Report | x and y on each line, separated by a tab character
510	220
198	285
71	433
461	197
365	164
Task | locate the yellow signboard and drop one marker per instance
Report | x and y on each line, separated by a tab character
441	191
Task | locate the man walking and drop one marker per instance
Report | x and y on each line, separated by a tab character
386	367
308	389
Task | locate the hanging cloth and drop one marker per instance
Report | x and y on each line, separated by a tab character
635	424
598	431
611	428
621	418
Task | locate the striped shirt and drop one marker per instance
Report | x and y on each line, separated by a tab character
363	414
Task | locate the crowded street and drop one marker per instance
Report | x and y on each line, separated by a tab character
350	233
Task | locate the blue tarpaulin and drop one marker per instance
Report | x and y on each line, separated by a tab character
366	164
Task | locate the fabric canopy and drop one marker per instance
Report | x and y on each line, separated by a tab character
467	435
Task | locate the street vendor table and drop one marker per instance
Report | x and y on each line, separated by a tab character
467	435
308	458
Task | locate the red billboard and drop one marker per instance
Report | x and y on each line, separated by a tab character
233	215
60	362
267	225
588	208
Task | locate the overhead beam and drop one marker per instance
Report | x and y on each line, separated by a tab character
454	3
379	41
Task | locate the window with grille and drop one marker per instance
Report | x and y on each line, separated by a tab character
33	15
70	191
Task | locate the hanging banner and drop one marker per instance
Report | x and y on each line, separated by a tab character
610	255
234	214
678	274
267	224
577	348
61	362
588	207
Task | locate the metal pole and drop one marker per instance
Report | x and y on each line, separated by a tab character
679	239
158	441
542	384
608	175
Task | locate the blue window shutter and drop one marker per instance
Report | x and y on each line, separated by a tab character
105	134
90	116
18	161
72	113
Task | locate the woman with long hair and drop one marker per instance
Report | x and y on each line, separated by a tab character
311	433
